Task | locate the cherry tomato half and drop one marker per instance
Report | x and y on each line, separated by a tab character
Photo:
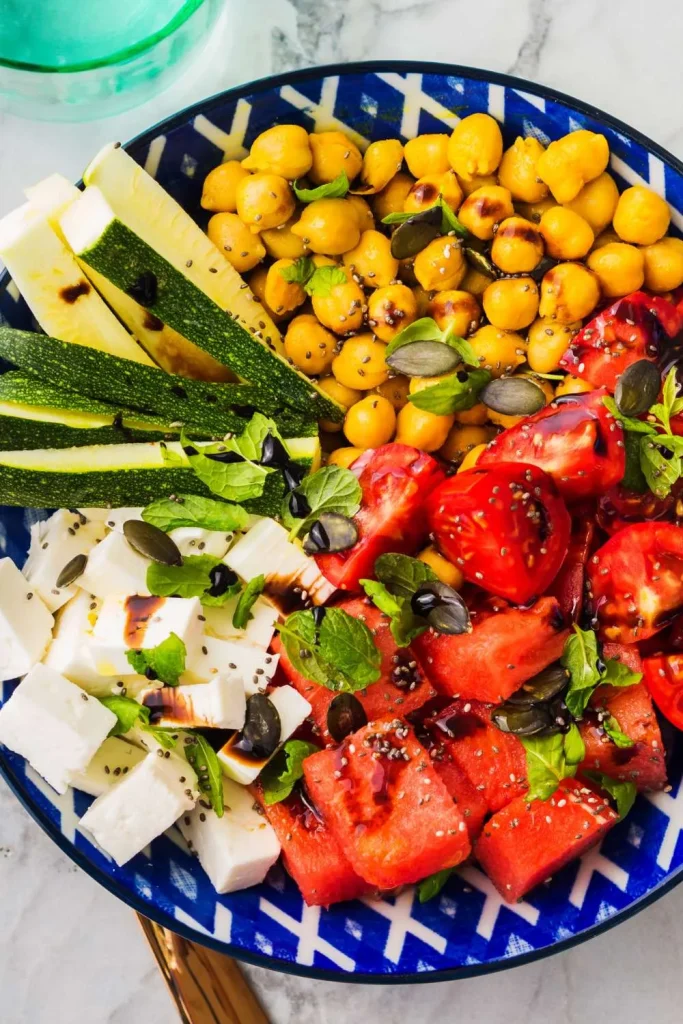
619	507
664	680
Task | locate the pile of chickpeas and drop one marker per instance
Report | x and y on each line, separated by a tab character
524	207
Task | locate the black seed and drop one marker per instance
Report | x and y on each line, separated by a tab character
262	728
415	233
227	457
293	475
637	388
345	715
513	396
152	542
273	452
443	607
424	359
144	288
221	578
298	505
71	571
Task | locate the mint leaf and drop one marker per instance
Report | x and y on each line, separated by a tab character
580	658
234	481
660	472
335	189
430	887
192	510
127	711
574	747
300	271
299	637
203	759
162	736
246	601
324	279
612	729
191	579
404	625
623	793
249	444
403	575
454	394
347	643
330	489
546	764
664	410
617	674
629	424
281	774
166	661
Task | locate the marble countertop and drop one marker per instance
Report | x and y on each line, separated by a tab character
68	950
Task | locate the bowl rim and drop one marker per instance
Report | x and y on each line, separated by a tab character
111	884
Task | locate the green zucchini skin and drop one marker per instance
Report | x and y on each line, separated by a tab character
17	433
124	259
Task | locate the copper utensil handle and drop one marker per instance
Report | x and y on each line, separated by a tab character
207	987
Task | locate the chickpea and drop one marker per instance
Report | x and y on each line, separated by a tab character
366	221
571	161
396	390
620	268
282	150
641	216
370	422
455	309
406	272
572	386
566	234
421	298
596	202
534	211
281	295
339	394
220	187
476	146
427	190
361	364
517	246
344	457
333	152
569	291
548	341
421	429
474	417
445	570
663	264
462	439
341	310
518	172
393	196
441	265
511	303
264	201
605	238
257	282
475	282
371	260
484	208
501	420
309	346
240	247
382	161
282	244
427	154
476	182
328	226
501	352
391	309
472	457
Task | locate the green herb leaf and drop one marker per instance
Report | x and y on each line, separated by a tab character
665	409
249	444
299	637
403	575
191	579
404	625
335	189
234	481
323	280
424	329
634	478
330	489
612	729
659	472
618	674
574	747
162	736
632	425
203	759
449	222
281	774
580	658
166	660
623	793
462	347
430	887
347	643
192	510
170	458
300	271
452	394
546	764
246	601
127	711
399	217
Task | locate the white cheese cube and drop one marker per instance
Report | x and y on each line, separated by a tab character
116	517
114	759
237	850
54	724
258	631
193	540
145	740
293	711
25	623
69	653
115	569
142	805
255	666
129	623
63	536
220	704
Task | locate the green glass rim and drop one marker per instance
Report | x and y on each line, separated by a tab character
119	56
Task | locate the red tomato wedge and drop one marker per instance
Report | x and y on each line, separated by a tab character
575	439
505	527
395	480
643	763
568	585
619	507
502	651
634	327
524	844
635	582
664	680
386	805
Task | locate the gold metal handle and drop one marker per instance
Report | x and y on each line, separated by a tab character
207	987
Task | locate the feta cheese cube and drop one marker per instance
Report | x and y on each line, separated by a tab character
63	536
193	540
258	631
293	711
255	666
237	850
69	653
54	725
115	569
114	759
220	704
114	518
25	623
129	623
142	805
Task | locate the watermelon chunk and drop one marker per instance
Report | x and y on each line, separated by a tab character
470	801
386	806
526	843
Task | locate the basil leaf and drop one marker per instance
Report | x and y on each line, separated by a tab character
347	643
664	410
430	887
246	601
191	579
623	793
463	348
632	425
203	759
281	774
162	736
574	747
580	658
449	222
403	575
330	489
617	674
323	280
166	660
335	189
300	271
424	329
546	764
127	711
612	729
191	510
404	625
660	473
634	478
299	637
452	394
234	481
399	217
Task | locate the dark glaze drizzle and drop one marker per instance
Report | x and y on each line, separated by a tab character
139	610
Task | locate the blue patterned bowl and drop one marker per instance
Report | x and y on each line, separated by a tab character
467	930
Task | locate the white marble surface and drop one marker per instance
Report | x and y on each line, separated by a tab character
69	952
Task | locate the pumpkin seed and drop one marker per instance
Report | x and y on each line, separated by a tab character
561	716
415	234
71	571
513	396
541	269
480	262
424	359
221	578
345	715
151	542
637	388
442	607
542	687
521	721
331	532
262	729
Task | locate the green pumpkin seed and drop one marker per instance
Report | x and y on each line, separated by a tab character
521	721
541	269
480	262
415	234
424	359
151	542
71	571
513	396
542	687
637	388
